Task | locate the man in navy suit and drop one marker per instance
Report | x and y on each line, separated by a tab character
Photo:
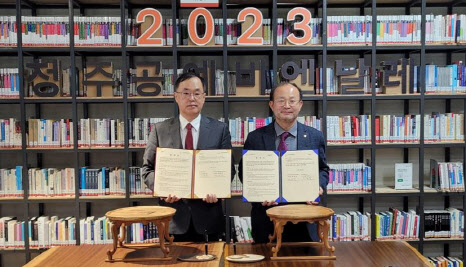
189	130
286	133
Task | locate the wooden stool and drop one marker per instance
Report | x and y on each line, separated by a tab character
301	213
158	215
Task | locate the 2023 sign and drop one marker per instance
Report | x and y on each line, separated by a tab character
246	37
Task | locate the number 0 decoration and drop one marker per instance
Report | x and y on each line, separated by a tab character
209	26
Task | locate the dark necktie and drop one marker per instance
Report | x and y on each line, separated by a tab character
282	145
188	142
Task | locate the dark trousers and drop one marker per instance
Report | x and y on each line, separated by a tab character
192	236
262	227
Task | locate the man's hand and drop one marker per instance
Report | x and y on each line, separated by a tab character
321	192
170	199
210	198
269	203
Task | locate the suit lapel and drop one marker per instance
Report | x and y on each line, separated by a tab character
303	137
174	132
269	137
204	131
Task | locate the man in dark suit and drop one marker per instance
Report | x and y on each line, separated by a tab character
190	130
286	133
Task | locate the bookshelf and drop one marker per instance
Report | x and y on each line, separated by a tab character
175	56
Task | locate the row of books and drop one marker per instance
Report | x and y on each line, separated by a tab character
50	231
45	31
11	184
444	223
101	133
51	182
55	31
10	133
46	231
219	83
8	31
97	31
49	133
349	129
95	231
106	31
139	130
447	176
395	129
236	185
54	182
242	229
446	79
442	261
345	177
102	181
9	83
46	133
397	224
136	183
350	226
240	128
443	127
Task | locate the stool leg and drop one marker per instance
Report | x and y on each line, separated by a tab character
323	228
161	228
123	235
167	234
272	237
278	232
115	228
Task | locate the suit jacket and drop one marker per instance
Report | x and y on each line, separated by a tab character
212	135
264	139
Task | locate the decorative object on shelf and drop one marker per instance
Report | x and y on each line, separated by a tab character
403	176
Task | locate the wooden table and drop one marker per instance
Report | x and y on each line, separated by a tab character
281	215
158	215
95	256
357	253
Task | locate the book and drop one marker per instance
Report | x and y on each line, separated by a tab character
403	176
280	176
192	173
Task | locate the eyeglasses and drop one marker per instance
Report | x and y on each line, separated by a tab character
291	102
186	95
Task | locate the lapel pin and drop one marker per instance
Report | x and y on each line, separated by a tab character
305	135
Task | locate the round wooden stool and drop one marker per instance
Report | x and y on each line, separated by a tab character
301	213
158	215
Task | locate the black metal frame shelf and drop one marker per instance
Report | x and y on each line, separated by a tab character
273	52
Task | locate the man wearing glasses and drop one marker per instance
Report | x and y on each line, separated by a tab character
286	133
190	130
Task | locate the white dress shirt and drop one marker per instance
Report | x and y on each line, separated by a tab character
196	123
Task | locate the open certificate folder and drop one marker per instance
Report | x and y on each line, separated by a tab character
192	173
286	176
